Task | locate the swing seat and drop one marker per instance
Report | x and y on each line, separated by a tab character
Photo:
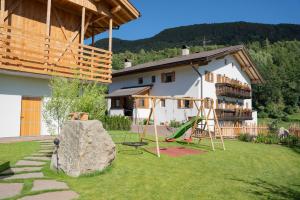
135	144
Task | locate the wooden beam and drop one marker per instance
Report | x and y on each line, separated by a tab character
82	26
48	22
2	10
110	34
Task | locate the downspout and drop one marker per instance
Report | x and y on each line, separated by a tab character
201	84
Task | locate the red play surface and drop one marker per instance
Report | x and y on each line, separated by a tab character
177	151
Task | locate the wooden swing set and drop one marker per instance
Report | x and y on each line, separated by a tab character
201	126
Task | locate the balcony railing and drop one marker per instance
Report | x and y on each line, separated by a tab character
234	114
233	90
36	53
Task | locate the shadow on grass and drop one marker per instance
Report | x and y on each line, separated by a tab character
296	149
196	145
266	190
4	166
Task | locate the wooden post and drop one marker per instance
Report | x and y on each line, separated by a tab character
110	35
155	127
82	26
2	11
48	30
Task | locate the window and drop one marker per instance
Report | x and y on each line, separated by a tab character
142	103
185	104
116	103
168	77
209	77
140	80
162	103
153	79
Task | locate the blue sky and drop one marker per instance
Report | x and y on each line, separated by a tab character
161	14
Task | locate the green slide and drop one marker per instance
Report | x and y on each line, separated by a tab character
182	129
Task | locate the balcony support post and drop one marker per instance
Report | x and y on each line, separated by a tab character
2	11
110	35
48	30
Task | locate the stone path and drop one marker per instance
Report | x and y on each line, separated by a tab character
30	169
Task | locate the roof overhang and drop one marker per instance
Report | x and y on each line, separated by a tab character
124	92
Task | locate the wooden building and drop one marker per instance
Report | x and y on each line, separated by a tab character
40	39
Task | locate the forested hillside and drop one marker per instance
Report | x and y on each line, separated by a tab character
279	64
211	34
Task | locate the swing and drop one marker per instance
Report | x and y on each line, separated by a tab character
135	144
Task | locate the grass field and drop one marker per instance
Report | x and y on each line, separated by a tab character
243	171
10	153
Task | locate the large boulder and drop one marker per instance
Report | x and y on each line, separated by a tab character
85	147
282	132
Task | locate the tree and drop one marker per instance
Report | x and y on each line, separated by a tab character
73	96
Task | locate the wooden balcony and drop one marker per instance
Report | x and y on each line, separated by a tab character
234	114
36	53
233	90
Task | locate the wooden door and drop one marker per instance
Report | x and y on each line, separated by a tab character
31	116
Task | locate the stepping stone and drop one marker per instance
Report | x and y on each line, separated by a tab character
46	151
23	176
39	185
29	163
21	170
38	158
8	190
42	154
63	195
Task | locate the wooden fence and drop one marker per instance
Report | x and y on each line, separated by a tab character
252	129
295	129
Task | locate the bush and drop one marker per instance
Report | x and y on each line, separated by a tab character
290	140
116	123
175	124
245	137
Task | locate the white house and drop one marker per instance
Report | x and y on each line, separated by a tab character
224	75
44	39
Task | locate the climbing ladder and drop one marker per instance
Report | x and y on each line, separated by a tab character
203	126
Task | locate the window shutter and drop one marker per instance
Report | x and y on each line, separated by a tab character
206	76
173	76
179	102
191	104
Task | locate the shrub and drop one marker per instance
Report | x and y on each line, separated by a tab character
290	140
175	124
245	137
116	123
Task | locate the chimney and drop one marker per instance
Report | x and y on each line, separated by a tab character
185	50
127	63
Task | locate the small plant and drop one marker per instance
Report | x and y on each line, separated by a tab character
290	140
175	124
245	137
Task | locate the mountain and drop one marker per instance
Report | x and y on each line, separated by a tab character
219	33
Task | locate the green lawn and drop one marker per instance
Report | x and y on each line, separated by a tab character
12	152
243	171
294	118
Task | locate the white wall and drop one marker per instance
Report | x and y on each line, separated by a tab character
12	89
10	113
116	112
186	85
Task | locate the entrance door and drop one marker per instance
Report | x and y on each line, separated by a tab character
31	116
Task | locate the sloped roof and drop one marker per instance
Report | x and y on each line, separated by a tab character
202	58
128	91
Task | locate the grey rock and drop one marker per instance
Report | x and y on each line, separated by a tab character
8	190
282	132
85	147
